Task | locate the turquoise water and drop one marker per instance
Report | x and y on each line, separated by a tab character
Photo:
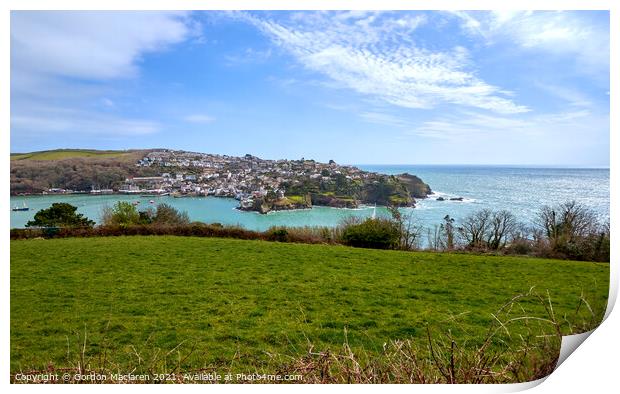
521	190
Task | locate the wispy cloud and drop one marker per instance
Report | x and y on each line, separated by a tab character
570	96
383	118
467	125
107	102
199	118
553	32
247	56
68	121
377	55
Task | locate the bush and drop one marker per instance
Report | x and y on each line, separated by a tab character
279	234
166	214
121	214
371	233
60	214
573	232
310	235
519	246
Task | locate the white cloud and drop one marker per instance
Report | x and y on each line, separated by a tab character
377	55
91	45
464	126
383	118
69	58
571	96
69	121
247	56
559	33
199	118
467	125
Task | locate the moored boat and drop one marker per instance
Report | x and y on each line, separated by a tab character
24	208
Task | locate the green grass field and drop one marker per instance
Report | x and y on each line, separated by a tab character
120	297
61	154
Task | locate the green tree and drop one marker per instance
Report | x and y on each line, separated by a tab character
122	213
60	214
166	214
371	233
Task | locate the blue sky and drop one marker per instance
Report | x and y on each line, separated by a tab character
357	87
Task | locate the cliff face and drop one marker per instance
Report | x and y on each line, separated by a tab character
400	190
264	205
334	201
414	185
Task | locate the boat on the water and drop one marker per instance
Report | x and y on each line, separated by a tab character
24	208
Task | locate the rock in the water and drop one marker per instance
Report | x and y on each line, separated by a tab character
440	199
456	199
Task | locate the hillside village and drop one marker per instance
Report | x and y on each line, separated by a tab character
230	176
259	185
265	185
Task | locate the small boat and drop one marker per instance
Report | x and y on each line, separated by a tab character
24	208
152	202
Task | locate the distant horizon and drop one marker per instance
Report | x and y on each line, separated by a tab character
478	87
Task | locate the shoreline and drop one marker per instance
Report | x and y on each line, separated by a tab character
360	207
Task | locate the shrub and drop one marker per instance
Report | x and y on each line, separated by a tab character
166	214
572	231
121	214
146	217
519	246
60	214
372	233
279	234
311	235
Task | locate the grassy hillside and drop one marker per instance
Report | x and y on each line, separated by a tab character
61	154
207	301
75	169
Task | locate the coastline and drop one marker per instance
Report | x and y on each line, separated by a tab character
493	188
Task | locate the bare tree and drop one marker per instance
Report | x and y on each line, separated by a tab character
566	222
434	238
503	224
410	231
447	231
475	228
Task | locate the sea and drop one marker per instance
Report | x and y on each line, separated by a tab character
521	190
